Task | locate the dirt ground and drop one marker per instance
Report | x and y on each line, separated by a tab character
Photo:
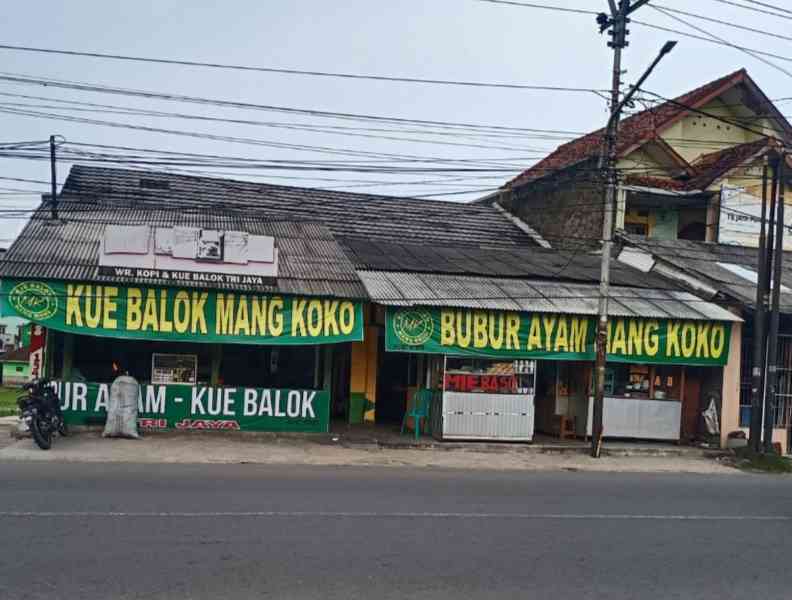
90	447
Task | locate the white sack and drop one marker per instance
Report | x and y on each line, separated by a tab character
122	408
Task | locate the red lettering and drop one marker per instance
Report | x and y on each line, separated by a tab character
153	423
202	424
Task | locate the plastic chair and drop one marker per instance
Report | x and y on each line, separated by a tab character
421	409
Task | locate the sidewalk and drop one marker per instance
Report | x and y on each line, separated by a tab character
329	449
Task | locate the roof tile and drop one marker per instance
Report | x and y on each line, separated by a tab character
633	130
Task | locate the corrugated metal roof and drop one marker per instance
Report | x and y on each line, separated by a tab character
527	262
710	263
310	260
359	215
425	289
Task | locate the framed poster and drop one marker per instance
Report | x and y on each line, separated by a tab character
174	368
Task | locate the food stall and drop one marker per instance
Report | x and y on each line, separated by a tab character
642	401
485	399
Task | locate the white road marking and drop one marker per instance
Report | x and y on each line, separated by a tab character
393	515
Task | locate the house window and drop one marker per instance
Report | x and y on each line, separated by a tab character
19	369
636	228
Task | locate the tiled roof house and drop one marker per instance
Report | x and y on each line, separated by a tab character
673	159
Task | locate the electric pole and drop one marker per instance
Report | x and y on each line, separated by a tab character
54	182
617	23
759	339
771	388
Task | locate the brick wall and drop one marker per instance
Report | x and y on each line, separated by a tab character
566	210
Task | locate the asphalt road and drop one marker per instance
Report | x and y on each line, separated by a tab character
77	531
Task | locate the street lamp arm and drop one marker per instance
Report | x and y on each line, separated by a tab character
667	47
637	5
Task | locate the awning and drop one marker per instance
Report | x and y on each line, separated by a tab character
392	288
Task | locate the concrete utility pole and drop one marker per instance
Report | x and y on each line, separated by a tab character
771	388
54	182
759	339
617	23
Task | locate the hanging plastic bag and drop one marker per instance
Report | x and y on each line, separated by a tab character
122	408
711	418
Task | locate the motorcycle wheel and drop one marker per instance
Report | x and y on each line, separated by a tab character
43	439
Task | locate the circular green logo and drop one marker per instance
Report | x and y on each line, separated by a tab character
34	300
413	326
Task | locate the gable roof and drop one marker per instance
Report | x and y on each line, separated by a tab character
641	127
349	214
305	223
708	168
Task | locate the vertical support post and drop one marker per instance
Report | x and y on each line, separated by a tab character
759	339
47	368
730	385
372	370
54	179
317	366
363	376
771	389
217	360
327	374
68	356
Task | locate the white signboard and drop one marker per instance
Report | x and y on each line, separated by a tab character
187	254
740	218
174	368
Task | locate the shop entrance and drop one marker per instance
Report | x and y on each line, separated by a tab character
395	382
562	392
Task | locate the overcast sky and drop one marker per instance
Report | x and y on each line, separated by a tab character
466	40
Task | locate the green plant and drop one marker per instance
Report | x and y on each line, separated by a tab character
749	460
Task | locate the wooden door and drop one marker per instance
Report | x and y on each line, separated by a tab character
690	404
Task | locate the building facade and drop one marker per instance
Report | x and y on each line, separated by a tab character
253	307
689	168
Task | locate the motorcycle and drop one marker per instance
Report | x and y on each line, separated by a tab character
41	412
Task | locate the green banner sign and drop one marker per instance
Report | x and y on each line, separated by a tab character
502	334
204	408
172	313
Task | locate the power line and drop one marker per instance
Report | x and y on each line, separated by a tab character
215	137
578	11
19	79
752	8
778	8
751	53
710	40
460	131
212	65
722	22
298	127
644	24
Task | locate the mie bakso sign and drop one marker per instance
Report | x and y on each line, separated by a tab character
172	313
502	334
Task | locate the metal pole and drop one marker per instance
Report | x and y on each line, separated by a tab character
772	349
759	339
54	177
